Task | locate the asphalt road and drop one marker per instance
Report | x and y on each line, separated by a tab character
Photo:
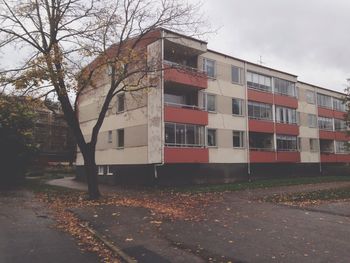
27	233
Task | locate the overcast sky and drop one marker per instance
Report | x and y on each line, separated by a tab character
308	38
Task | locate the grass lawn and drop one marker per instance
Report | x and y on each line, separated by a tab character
319	195
264	183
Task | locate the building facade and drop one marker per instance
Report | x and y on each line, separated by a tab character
215	118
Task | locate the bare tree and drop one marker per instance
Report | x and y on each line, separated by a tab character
68	43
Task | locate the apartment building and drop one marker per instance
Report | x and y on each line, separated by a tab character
215	118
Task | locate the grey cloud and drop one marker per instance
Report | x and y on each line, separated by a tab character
307	38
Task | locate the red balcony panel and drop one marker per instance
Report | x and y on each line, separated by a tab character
261	126
187	77
287	129
328	157
186	155
286	101
339	115
343	158
325	112
260	96
288	157
262	156
329	135
342	136
181	115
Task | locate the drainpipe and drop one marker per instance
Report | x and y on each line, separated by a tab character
247	121
162	109
318	132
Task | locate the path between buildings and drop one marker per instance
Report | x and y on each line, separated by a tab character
27	233
239	228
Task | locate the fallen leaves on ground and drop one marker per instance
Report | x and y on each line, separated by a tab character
163	205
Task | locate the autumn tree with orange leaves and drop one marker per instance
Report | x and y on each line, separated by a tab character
63	45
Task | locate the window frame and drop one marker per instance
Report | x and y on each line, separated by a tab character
322	120
198	135
119	146
317	149
241	139
286	139
205	67
313	99
241	107
205	98
263	108
215	145
240	75
314	117
120	95
100	170
110	136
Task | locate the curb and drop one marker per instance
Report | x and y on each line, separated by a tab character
118	251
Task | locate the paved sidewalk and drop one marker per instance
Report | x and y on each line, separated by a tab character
27	233
239	229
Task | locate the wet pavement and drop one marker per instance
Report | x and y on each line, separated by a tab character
27	233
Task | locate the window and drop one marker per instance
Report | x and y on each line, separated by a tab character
327	146
109	171
238	139
285	87
260	111
237	75
312	120
109	136
211	137
286	143
310	97
313	145
339	105
286	115
325	123
341	147
120	138
209	102
120	102
324	101
340	125
184	135
209	67
100	170
260	82
237	106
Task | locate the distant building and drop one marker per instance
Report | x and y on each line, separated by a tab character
215	118
53	136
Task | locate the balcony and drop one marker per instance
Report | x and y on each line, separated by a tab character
181	105
186	155
260	96
286	101
288	129
325	112
327	135
185	115
181	63
261	147
288	157
258	125
261	155
181	74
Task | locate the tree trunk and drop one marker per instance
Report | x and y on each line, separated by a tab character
91	174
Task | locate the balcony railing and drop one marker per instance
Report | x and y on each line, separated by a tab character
183	106
182	145
181	66
262	149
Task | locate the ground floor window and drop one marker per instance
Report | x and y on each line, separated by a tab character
286	143
100	170
211	137
184	135
314	145
342	147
